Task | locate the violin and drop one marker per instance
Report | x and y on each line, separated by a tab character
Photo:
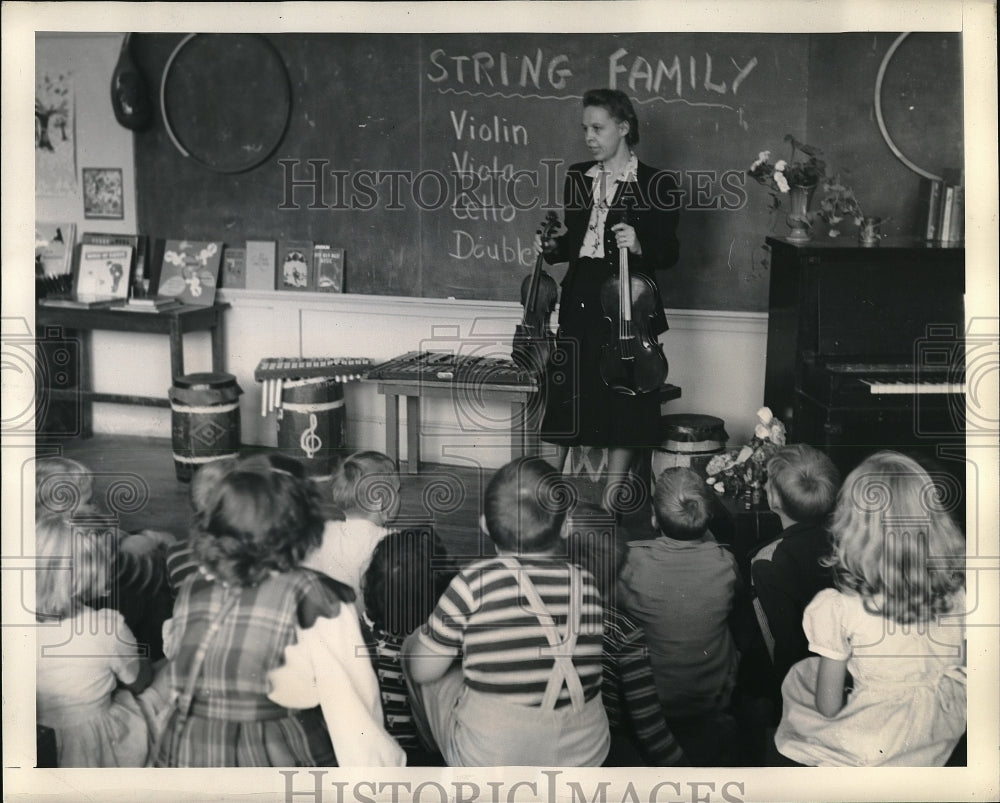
632	360
534	341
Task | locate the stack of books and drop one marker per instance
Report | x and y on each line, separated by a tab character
945	198
152	304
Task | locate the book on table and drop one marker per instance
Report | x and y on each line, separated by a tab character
189	271
79	302
152	304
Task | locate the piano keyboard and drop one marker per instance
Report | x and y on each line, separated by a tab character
273	371
876	387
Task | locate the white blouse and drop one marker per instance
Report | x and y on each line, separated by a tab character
603	188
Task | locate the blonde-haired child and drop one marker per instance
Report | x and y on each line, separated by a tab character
138	588
894	622
366	489
62	485
92	688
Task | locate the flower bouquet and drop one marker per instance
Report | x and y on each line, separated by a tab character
782	175
739	473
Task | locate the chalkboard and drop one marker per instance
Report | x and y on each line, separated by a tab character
393	137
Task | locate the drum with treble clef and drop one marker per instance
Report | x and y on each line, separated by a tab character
311	423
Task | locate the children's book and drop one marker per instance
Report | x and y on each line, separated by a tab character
102	272
328	269
234	269
295	265
261	257
139	243
54	246
190	271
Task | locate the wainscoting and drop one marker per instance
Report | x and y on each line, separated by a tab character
716	357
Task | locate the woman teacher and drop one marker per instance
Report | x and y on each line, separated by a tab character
612	201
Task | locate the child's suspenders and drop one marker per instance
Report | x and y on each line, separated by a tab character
560	648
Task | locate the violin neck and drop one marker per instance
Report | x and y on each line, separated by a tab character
625	287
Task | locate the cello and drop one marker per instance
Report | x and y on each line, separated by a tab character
533	337
632	360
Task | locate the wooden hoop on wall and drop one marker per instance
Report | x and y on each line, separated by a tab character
273	117
881	120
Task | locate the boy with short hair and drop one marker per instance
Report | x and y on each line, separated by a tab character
681	588
526	626
802	486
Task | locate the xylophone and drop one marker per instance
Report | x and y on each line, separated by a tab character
448	366
273	371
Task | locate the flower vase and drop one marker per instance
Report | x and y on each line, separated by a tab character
798	218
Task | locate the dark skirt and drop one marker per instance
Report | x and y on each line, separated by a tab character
580	410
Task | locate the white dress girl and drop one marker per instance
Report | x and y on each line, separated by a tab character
82	660
908	704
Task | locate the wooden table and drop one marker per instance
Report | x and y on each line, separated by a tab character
523	432
173	323
524	416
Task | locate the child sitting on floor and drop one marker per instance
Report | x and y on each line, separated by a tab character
138	587
894	624
62	485
681	588
366	489
92	687
180	558
639	731
409	571
266	655
526	626
802	485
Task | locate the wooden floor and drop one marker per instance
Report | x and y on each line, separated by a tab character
135	477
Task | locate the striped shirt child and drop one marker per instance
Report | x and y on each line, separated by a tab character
483	616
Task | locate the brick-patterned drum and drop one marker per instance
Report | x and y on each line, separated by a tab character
205	420
311	423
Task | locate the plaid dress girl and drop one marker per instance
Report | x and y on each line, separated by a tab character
282	683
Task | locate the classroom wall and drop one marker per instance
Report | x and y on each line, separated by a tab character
716	356
921	100
90	60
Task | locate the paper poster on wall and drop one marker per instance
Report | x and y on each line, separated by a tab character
55	134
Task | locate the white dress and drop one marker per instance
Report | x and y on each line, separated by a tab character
81	661
908	706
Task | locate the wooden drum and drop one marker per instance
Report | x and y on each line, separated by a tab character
311	423
689	440
205	420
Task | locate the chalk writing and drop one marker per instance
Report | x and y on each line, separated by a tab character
481	68
491	131
642	75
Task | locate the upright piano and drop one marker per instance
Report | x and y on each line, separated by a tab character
865	349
